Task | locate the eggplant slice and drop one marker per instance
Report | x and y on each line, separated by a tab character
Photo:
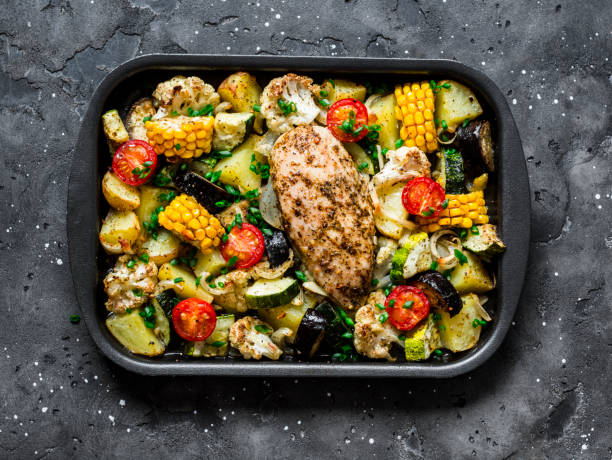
475	140
277	248
205	192
310	334
440	292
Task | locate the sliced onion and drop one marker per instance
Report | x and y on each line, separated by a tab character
282	337
223	107
381	160
265	144
270	207
227	286
448	261
263	269
314	287
162	286
483	313
450	141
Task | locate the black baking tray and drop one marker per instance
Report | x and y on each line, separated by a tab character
508	196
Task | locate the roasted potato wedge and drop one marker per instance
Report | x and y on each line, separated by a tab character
163	249
458	333
381	111
391	204
119	232
456	104
131	332
343	89
186	287
120	195
242	91
236	171
472	276
114	129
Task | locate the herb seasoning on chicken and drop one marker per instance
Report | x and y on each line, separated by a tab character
326	210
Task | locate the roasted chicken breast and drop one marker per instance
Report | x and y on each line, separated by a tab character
326	211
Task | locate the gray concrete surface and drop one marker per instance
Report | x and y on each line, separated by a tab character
545	394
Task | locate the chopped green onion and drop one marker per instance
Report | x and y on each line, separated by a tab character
75	319
401	337
362	166
438	352
409	304
383	317
323	93
399	143
262	328
391	303
444	124
445	204
257	108
324	102
178	280
478	322
465	122
131	263
374	282
301	276
380	306
198	280
137	292
475	230
144	257
347	335
434	265
333	83
460	257
218	343
174	262
145	119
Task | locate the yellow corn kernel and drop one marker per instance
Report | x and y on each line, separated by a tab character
416	107
182	137
191	221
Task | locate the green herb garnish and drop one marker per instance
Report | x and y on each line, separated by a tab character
460	257
383	317
75	319
262	328
434	265
301	276
399	143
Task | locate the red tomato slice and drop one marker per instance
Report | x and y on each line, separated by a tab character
246	243
135	162
194	319
423	196
402	314
347	119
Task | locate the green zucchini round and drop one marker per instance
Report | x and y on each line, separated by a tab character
271	293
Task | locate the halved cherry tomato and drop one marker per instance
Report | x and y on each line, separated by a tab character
194	319
347	119
423	196
246	243
135	162
406	306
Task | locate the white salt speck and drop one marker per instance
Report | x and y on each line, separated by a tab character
329	395
128	430
597	196
258	48
482	63
543	323
59	261
85	380
538	96
277	16
556	273
112	419
52	94
585	447
563	361
571	98
371	440
36	363
122	402
34	384
44	409
538	380
267	24
229	48
555	101
299	422
347	441
513	101
598	206
197	32
15	417
285	428
530	107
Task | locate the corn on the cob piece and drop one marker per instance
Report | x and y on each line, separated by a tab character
181	137
192	222
415	109
462	211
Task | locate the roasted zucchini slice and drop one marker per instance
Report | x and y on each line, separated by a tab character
231	129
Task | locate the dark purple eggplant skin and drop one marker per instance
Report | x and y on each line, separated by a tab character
310	334
277	248
476	143
440	292
205	192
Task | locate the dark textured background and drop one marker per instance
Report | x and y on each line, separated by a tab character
545	394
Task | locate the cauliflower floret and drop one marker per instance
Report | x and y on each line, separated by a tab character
402	165
129	287
295	93
419	254
236	283
371	338
384	256
182	93
251	337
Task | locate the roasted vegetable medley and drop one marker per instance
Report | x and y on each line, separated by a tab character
338	220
